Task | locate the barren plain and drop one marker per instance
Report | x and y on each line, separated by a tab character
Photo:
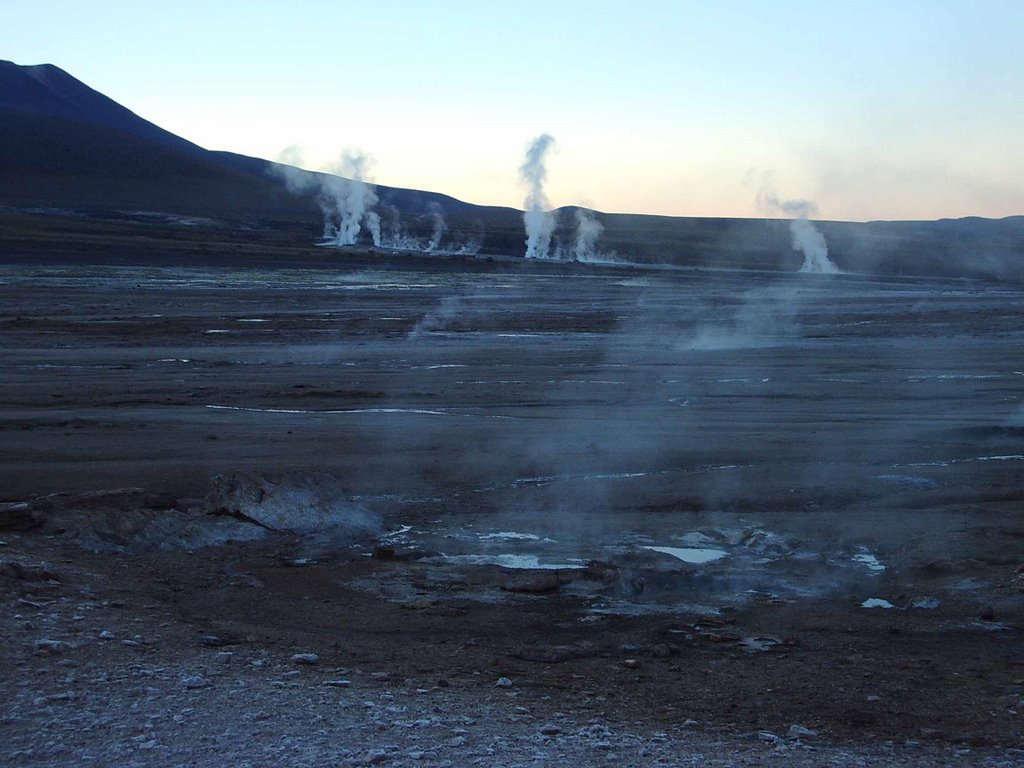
681	516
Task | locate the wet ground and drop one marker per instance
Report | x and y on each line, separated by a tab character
747	499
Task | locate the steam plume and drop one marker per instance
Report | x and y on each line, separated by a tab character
345	202
588	230
540	223
437	217
806	237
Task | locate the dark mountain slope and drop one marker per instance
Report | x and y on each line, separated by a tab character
48	161
64	145
48	90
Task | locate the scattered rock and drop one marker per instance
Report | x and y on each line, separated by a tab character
305	659
212	641
503	682
552	654
292	501
550	730
630	663
194	682
18	516
337	683
24	571
800	732
44	647
106	634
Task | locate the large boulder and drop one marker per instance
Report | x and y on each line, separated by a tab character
299	502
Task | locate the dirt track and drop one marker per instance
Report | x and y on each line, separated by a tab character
808	429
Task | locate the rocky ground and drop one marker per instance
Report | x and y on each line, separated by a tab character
374	517
237	655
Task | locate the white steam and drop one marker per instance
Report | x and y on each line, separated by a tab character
439	226
806	237
345	199
588	230
537	216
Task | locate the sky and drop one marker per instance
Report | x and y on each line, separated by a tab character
872	110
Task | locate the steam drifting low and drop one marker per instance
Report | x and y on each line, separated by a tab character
347	200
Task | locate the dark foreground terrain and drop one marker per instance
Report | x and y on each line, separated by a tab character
650	504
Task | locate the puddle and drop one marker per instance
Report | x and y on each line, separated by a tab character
512	536
876	602
396	534
865	557
695	555
525	562
909	480
759	644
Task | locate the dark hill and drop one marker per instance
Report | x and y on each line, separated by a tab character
48	90
64	145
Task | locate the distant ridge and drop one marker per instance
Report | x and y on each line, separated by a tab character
64	145
48	90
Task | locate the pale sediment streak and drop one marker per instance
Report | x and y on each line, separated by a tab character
329	412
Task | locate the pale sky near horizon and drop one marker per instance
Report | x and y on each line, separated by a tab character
873	110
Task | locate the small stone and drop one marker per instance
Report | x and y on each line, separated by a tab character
457	741
212	641
376	758
194	682
987	614
630	663
131	643
799	731
305	658
503	682
224	656
769	737
106	634
337	683
44	647
550	730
